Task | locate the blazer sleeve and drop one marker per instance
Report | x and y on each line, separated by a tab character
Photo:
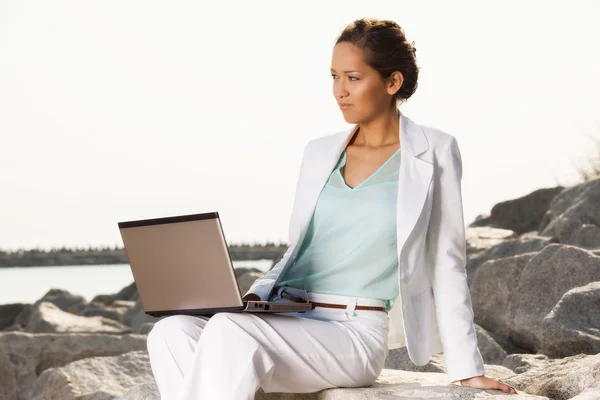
262	286
447	252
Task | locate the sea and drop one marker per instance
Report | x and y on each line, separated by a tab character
29	284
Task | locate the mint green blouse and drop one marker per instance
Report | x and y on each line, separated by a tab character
350	245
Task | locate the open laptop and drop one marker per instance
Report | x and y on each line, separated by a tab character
182	265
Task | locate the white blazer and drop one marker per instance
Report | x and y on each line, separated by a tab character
433	311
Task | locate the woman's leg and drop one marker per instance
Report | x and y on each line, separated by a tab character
171	344
239	352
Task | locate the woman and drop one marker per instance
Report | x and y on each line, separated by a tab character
376	225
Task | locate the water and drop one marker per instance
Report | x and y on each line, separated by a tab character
27	285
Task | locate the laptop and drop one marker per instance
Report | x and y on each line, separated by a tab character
182	265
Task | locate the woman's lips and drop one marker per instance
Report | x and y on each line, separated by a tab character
345	106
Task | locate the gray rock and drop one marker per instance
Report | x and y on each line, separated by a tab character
398	359
525	213
588	394
244	270
520	363
22	319
492	289
61	298
135	317
570	209
245	281
508	248
587	237
48	318
391	384
491	351
480	238
560	379
8	313
94	378
144	391
23	356
573	326
115	310
545	279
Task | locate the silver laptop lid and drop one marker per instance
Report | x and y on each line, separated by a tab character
181	264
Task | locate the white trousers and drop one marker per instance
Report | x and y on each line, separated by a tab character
231	355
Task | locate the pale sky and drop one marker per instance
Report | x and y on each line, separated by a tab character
120	110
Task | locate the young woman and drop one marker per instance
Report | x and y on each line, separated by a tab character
377	244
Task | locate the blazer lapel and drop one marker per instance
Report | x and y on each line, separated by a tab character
413	182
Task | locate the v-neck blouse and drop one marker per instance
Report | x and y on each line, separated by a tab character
350	245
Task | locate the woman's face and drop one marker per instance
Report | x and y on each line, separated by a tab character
357	84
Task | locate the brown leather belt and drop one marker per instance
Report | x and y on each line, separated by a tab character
331	305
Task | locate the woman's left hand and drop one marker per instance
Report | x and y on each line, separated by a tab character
483	382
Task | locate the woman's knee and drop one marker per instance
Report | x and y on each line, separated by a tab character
175	326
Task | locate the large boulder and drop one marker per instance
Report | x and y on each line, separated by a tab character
95	377
391	384
545	279
61	298
8	313
24	356
492	289
560	379
573	325
523	214
482	237
571	209
114	310
48	318
508	248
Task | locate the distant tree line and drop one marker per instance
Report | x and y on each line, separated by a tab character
103	255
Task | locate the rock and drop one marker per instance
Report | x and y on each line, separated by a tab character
523	214
560	379
144	391
573	325
8	313
545	279
96	377
61	298
588	394
135	317
244	270
245	281
115	310
491	351
570	209
23	356
391	384
508	248
480	238
145	328
398	359
22	319
128	293
520	363
586	236
492	288
48	318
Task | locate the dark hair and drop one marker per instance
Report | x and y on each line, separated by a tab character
385	49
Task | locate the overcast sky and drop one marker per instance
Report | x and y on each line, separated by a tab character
122	110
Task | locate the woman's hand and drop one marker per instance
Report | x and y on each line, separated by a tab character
483	382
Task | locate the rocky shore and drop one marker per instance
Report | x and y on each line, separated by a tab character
533	271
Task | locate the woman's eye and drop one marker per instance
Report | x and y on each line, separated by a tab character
351	77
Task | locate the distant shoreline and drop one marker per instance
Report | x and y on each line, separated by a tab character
107	256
